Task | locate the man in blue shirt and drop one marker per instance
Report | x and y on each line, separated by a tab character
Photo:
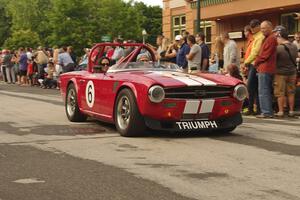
65	60
200	39
182	52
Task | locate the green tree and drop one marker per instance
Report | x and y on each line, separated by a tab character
5	23
151	20
79	23
22	38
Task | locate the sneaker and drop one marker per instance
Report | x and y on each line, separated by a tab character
264	116
291	114
279	114
249	112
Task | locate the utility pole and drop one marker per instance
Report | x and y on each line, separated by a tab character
198	17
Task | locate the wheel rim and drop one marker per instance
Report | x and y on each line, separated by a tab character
71	102
123	112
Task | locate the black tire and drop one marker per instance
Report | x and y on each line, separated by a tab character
71	105
128	119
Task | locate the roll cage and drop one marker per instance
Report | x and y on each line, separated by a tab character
98	51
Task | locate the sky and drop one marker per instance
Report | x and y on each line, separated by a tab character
152	2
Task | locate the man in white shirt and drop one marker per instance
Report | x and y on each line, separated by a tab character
231	53
119	51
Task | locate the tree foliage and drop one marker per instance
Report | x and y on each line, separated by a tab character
4	24
79	23
22	38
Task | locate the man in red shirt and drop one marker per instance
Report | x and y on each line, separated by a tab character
265	64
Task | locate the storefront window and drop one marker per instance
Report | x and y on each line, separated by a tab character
178	25
288	21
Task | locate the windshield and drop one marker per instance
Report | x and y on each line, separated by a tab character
145	66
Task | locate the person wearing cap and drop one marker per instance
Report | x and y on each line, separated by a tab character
265	64
286	71
184	50
252	82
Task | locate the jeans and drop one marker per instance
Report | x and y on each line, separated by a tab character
265	89
10	75
3	73
252	85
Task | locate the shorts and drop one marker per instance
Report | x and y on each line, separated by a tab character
284	85
23	72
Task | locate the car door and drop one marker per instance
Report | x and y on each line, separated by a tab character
90	92
108	87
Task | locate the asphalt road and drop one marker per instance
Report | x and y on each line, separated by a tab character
44	156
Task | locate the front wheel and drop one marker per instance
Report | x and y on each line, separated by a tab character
128	119
71	106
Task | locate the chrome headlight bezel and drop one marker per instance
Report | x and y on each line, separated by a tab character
153	96
240	92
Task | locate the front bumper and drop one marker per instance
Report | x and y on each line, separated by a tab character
195	125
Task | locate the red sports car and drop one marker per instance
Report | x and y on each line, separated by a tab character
138	93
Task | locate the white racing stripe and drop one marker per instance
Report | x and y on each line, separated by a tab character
189	80
184	78
207	106
203	80
191	107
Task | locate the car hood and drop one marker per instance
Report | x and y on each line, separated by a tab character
179	79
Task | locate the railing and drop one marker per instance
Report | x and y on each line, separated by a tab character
205	3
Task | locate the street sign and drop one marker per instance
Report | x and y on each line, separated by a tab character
106	38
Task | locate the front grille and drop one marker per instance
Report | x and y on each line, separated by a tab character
198	92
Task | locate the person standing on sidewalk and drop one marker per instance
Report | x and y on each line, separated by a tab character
231	53
200	39
23	67
250	57
41	60
184	50
194	56
286	71
265	63
9	67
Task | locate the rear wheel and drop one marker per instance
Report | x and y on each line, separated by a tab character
71	106
128	119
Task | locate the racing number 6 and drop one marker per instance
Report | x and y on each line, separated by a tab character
90	94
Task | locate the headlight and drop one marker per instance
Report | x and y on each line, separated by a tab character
240	92
156	94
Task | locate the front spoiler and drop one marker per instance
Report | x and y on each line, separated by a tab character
195	125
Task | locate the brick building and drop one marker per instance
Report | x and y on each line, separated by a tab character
219	16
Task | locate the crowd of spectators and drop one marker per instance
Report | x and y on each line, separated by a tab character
39	67
268	66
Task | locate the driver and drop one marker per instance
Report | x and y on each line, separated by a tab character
143	57
104	64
